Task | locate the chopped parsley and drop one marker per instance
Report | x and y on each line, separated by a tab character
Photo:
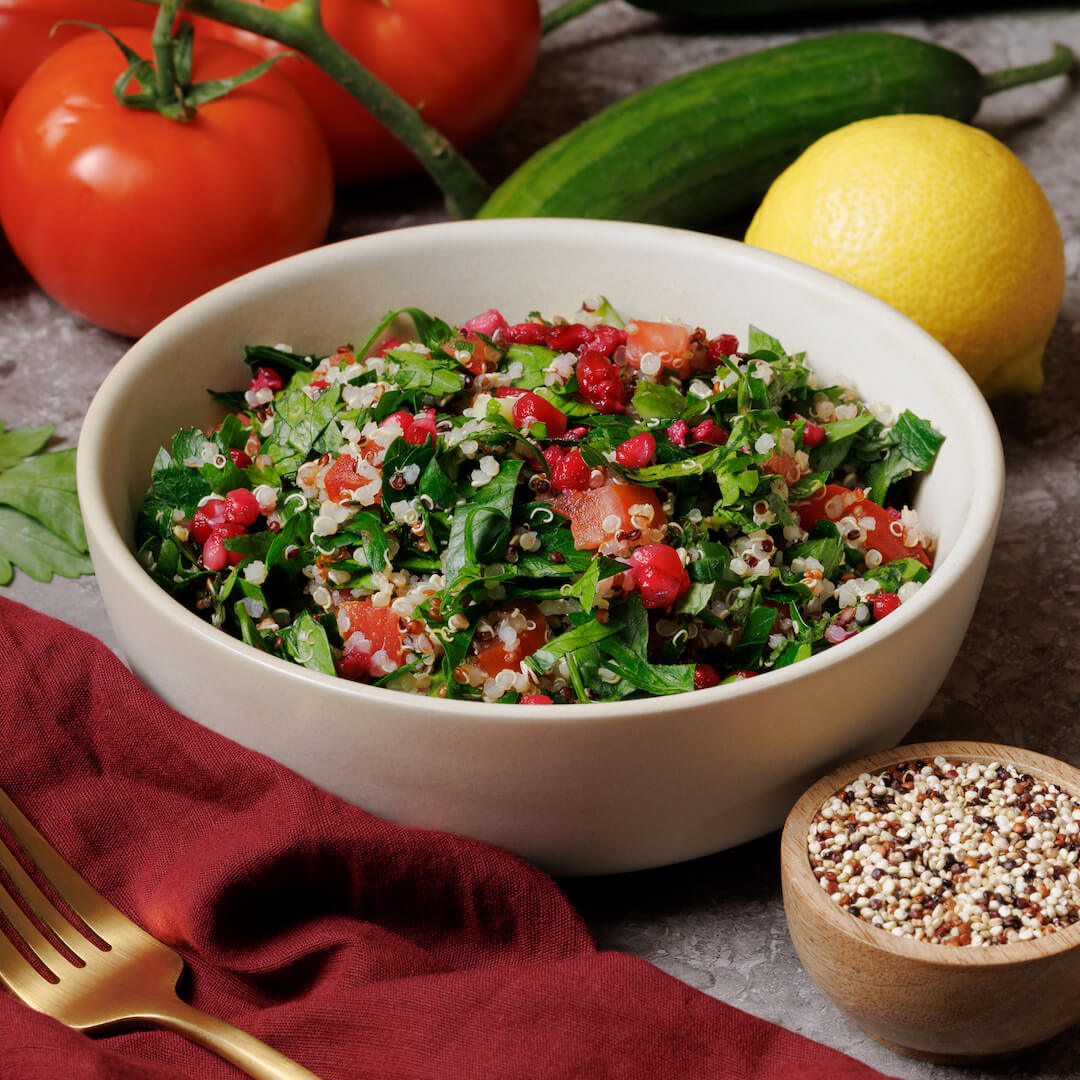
579	510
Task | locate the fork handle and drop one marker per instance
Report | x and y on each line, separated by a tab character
244	1051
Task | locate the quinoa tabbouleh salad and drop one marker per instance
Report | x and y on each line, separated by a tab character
565	511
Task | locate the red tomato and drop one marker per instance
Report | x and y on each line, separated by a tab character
26	26
834	502
123	215
464	63
670	342
342	479
379	627
589	510
482	356
496	657
783	465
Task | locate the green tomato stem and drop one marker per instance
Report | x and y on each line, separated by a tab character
300	27
567	10
170	98
1061	63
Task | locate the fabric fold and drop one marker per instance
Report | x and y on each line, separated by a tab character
360	948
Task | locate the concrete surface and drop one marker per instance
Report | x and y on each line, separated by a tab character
718	923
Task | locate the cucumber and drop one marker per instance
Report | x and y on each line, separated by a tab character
754	9
710	142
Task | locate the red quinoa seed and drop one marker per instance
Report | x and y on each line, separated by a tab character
951	852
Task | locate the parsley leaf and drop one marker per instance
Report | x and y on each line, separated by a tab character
36	550
41	529
914	446
21	443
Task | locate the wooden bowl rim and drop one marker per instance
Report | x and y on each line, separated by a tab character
795	859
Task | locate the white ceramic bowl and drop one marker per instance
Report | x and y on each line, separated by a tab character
578	789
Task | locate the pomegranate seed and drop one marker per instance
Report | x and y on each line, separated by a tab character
705	675
354	664
577	433
240	459
659	575
535	699
552	455
241	506
568	338
421	426
724	345
813	435
709	431
884	604
599	384
486	323
610	397
637	452
531	409
207	518
401	418
606	339
214	554
678	431
593	368
526	333
571	473
266	378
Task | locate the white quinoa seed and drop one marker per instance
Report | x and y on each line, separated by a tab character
951	852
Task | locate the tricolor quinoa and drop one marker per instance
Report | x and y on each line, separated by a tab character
545	511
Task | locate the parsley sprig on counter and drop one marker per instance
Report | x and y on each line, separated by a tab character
41	530
394	518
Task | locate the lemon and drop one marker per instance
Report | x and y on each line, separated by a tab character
942	221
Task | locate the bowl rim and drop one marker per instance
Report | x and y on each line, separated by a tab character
802	888
956	388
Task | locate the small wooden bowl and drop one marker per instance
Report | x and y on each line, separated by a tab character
952	1005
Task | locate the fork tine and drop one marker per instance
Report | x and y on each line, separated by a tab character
77	893
34	939
13	965
41	905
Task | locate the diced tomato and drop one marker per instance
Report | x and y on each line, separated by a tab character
495	657
380	627
484	357
342	478
783	465
589	510
834	502
671	342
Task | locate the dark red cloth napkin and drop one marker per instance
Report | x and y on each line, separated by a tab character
356	947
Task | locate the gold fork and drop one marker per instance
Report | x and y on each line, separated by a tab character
132	981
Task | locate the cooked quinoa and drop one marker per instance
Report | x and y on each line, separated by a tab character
544	511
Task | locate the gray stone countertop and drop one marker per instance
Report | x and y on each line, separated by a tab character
718	923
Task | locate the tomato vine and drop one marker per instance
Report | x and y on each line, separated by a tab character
299	26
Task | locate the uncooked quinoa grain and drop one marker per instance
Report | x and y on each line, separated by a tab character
951	852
